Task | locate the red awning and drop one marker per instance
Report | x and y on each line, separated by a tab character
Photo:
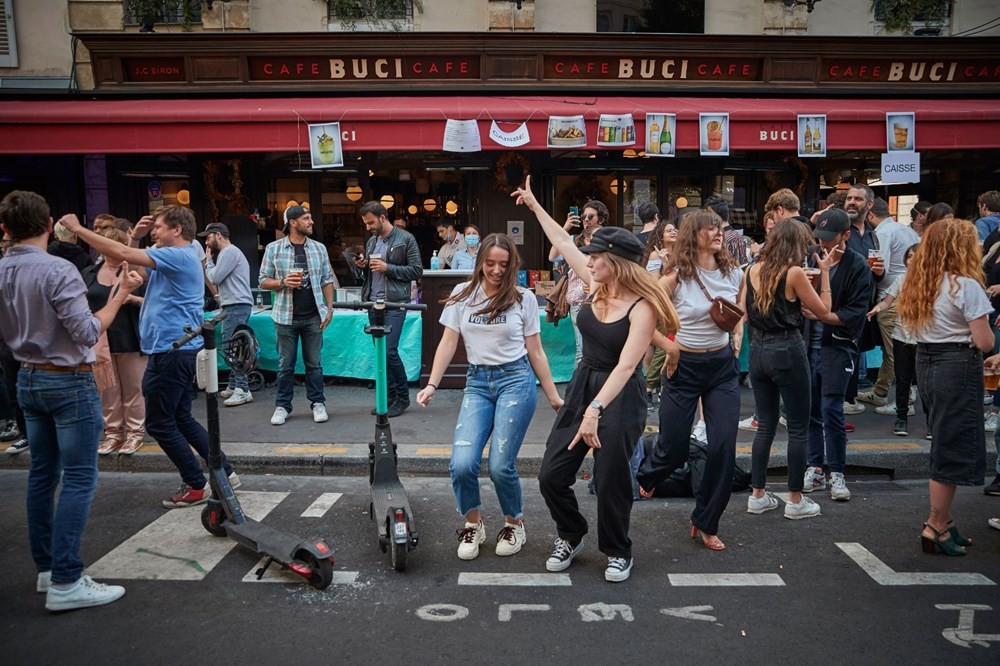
417	123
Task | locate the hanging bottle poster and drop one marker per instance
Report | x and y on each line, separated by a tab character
567	132
661	133
900	130
713	131
811	137
325	149
616	130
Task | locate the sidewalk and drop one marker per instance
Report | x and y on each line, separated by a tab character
423	435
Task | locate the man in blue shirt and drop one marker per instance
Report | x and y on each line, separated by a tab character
989	211
174	299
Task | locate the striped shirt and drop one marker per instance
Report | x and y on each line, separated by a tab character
279	257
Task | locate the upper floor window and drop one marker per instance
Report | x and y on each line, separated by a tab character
370	10
178	12
677	16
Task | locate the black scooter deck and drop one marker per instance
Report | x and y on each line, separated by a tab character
390	495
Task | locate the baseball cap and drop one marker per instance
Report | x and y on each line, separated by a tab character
831	223
216	228
616	241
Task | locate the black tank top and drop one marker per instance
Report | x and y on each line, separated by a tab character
602	343
784	314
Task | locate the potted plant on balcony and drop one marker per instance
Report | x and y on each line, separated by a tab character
900	15
148	12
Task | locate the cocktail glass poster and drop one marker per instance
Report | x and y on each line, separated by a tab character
811	135
900	131
615	130
714	133
325	148
661	133
567	132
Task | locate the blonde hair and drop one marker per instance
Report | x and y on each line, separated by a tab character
63	234
636	279
949	246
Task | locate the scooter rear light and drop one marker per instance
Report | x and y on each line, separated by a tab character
399	514
321	547
301	569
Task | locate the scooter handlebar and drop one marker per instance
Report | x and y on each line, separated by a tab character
192	333
369	305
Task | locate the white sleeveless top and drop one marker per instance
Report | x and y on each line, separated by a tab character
698	331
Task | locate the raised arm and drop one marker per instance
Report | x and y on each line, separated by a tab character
561	241
106	246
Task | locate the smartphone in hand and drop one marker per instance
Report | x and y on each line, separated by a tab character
574	211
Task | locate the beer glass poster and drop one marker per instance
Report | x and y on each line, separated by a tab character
661	128
616	130
900	129
714	131
324	146
812	136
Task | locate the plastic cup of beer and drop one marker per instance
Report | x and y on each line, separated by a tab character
873	257
991	379
815	275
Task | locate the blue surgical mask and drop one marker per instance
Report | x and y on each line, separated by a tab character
472	241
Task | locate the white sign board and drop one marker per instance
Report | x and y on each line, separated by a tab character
516	231
518	137
900	167
461	136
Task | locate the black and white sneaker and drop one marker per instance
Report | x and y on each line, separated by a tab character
900	429
19	446
563	555
618	569
10	431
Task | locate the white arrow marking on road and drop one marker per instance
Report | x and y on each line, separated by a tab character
962	635
507	610
690	613
513	579
882	574
605	612
279	574
322	504
725	580
175	546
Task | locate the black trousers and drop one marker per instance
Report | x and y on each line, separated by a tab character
906	376
10	368
712	377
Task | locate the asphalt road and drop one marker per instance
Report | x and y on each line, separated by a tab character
791	594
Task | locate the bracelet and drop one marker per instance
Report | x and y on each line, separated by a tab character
588	416
434	386
826	291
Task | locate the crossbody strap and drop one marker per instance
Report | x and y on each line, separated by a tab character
702	285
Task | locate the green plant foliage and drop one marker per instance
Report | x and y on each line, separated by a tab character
159	10
377	14
900	15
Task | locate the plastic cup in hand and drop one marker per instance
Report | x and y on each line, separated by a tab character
991	379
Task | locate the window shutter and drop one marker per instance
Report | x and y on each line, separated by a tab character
8	45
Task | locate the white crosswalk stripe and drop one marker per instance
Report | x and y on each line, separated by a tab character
322	504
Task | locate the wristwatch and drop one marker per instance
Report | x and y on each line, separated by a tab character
596	404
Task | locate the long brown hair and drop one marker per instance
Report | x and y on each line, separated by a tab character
508	294
636	279
685	251
949	246
787	244
655	241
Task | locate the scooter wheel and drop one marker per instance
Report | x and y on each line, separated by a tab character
398	547
213	519
322	570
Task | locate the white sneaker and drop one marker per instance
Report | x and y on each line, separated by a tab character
469	538
758	505
814	479
43	582
511	539
280	416
749	423
853	407
991	422
700	433
618	569
838	487
86	593
988	398
226	393
890	409
239	397
804	509
319	412
873	398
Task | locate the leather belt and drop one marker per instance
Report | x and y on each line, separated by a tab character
51	367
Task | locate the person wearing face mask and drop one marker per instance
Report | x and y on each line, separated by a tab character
453	242
465	259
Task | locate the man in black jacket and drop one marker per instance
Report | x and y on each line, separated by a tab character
391	263
833	354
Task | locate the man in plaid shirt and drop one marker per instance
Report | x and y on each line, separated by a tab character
297	269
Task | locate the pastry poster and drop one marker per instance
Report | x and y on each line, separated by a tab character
325	149
661	130
614	130
900	129
714	133
812	136
567	132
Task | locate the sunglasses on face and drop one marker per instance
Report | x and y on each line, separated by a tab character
590	216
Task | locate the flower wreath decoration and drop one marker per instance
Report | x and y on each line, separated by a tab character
241	201
505	170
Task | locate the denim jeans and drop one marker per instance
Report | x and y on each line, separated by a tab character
398	387
831	368
167	387
499	402
63	416
308	330
235	315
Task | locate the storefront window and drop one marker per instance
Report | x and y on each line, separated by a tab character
638	190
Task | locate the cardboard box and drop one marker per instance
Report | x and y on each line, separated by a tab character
544	287
545	275
532	278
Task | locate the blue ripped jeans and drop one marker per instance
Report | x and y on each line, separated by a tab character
499	402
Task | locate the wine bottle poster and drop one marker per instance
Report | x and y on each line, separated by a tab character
615	130
325	149
661	134
713	133
811	136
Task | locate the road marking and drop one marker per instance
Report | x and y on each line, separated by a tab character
963	635
513	579
602	612
175	546
279	574
311	449
725	580
442	612
322	504
690	613
882	574
434	451
885	446
507	610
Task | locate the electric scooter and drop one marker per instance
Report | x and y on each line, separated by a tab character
223	516
389	508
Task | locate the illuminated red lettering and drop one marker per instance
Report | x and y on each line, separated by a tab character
464	68
560	68
268	68
448	66
314	70
418	68
575	68
702	69
746	70
434	69
284	70
604	68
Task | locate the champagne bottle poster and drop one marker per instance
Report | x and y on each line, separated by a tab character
661	134
811	136
713	131
325	149
900	130
615	130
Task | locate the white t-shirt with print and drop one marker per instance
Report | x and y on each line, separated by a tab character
952	314
497	342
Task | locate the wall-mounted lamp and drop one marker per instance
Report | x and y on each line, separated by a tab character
451	207
354	193
387	201
184	197
430	205
412	210
615	187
